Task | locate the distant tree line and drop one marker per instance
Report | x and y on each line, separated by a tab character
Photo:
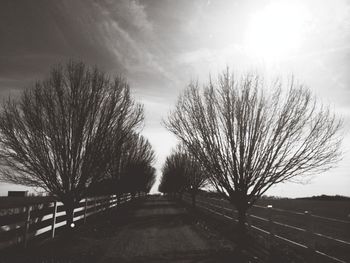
75	134
326	198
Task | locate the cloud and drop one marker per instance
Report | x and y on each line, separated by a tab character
115	35
159	46
130	13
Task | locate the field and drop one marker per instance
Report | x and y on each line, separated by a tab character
329	221
333	209
338	209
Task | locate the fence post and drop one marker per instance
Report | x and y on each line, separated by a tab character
53	219
248	217
271	226
103	204
115	200
85	209
26	226
310	235
95	205
108	202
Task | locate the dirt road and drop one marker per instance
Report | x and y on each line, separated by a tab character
154	230
161	230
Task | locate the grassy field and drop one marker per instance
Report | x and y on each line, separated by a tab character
333	209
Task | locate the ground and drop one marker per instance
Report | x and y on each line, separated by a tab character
152	230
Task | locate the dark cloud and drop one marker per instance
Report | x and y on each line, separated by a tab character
39	32
36	34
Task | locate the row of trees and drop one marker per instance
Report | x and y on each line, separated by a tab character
247	135
72	133
182	172
132	169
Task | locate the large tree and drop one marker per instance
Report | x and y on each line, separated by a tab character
61	134
250	135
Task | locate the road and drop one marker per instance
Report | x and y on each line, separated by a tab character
162	230
153	230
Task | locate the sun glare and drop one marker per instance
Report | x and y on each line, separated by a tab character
276	31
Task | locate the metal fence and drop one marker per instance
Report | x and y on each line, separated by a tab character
290	227
18	225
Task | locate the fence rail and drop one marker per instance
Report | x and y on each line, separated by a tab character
20	224
269	224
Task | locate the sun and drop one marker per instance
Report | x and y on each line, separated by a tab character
276	31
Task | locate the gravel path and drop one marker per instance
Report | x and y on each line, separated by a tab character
161	231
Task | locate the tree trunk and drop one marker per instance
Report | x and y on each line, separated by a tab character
241	229
242	219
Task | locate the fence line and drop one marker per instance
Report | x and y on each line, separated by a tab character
270	232
28	222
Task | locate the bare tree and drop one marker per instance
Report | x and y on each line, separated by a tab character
61	134
250	136
182	171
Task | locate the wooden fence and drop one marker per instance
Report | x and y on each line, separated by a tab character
18	225
278	225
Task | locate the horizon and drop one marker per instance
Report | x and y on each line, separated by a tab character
160	47
3	193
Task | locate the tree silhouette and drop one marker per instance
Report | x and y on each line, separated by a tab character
173	175
137	157
131	170
182	171
62	133
249	135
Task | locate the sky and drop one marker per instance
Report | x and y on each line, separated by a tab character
160	46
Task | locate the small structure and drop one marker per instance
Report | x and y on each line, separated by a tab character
17	193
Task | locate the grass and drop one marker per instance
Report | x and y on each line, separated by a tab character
332	209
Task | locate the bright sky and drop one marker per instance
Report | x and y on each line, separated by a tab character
161	45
